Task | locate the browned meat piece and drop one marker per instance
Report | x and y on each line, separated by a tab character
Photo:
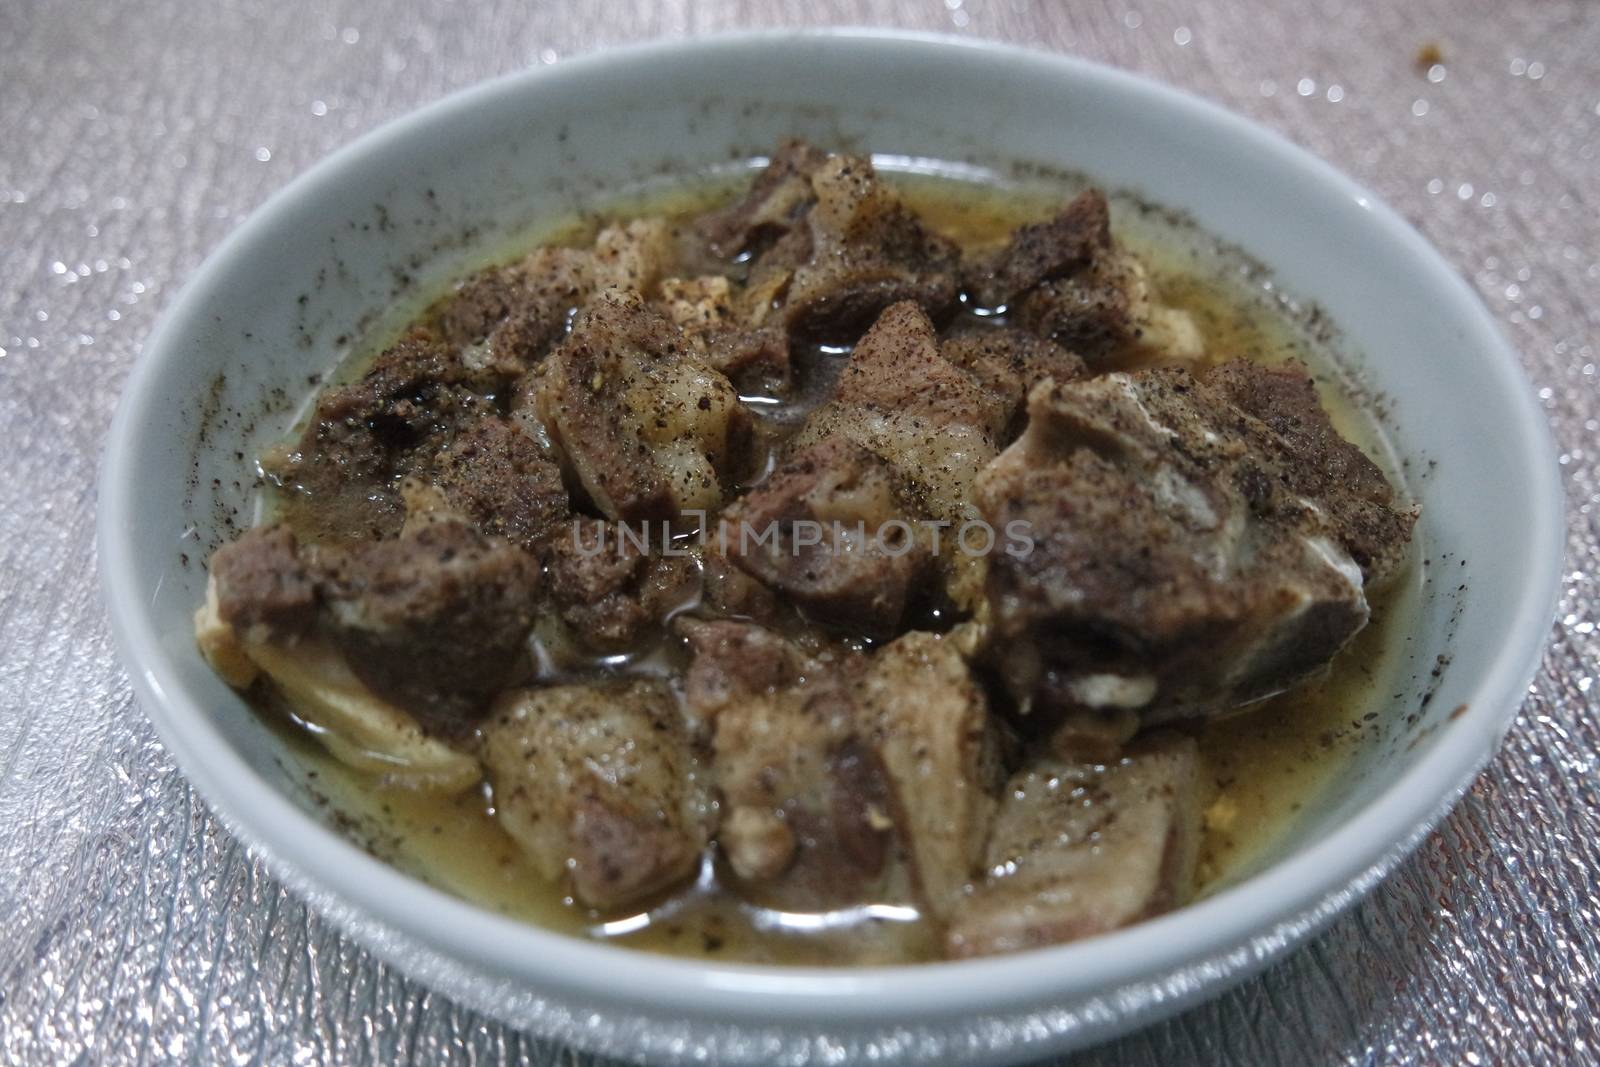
846	778
364	437
1091	312
608	588
815	530
264	590
933	422
399	611
806	812
898	367
899	398
410	390
728	590
807	817
485	344
700	303
517	311
1008	363
1107	313
775	203
928	720
755	359
1319	465
734	660
1182	560
863	250
625	257
1043	251
355	725
500	478
649	431
727	334
511	313
830	246
1083	849
395	609
600	785
1068	280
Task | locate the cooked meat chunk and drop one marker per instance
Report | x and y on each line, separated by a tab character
726	589
898	367
360	728
398	610
412	390
929	723
808	821
1091	313
775	204
755	359
1107	313
1008	363
1083	849
364	438
829	246
504	481
649	431
816	530
933	422
734	660
1319	465
365	641
357	726
866	252
512	315
600	785
517	311
807	813
1181	564
700	303
1043	251
608	588
1068	279
844	775
835	247
262	588
629	257
710	310
899	398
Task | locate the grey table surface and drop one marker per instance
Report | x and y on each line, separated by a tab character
134	135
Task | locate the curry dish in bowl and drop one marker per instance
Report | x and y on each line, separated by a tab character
844	568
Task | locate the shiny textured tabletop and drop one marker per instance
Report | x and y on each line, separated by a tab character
134	135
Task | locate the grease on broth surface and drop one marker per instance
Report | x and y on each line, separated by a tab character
1268	764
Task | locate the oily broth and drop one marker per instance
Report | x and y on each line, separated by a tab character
1267	765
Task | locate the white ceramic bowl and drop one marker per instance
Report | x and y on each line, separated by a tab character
233	353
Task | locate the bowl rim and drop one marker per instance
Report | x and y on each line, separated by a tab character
1345	862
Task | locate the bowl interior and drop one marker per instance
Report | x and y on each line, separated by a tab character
423	198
